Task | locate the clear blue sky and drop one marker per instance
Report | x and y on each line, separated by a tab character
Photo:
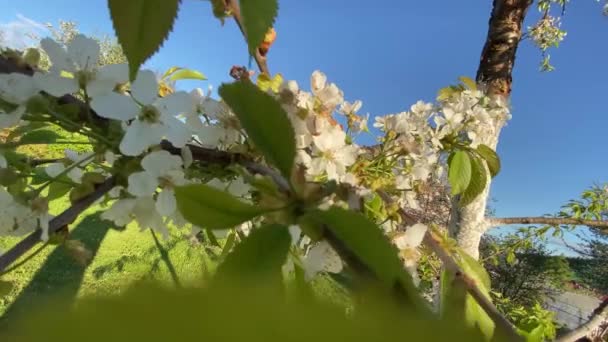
389	56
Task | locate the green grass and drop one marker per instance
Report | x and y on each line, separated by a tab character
121	259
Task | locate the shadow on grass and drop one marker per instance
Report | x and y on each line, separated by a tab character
148	257
60	276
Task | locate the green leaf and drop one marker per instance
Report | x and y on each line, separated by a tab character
259	257
187	74
141	27
265	121
258	18
459	171
170	71
479	180
39	136
210	208
351	234
469	83
58	190
536	335
456	303
511	258
491	158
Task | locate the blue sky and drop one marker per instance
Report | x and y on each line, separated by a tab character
392	55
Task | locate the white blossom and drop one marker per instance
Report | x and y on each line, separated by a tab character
321	258
153	118
77	67
16	89
140	209
412	238
160	169
331	153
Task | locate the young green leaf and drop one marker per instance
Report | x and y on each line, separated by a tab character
187	74
170	71
265	121
479	180
141	27
39	136
471	84
210	208
265	82
459	171
259	257
258	18
491	158
362	241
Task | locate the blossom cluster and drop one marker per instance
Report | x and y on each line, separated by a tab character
409	152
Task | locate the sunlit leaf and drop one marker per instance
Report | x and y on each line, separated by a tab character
491	158
459	171
211	208
265	122
258	18
141	27
479	180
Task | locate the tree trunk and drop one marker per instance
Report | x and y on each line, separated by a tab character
494	76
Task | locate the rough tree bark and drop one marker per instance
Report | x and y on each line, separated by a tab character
494	75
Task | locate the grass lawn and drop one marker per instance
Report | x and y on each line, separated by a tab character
121	258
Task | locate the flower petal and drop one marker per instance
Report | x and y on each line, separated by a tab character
56	85
139	137
145	87
166	203
17	88
84	52
59	58
107	78
11	119
176	103
176	131
158	163
115	106
142	184
54	169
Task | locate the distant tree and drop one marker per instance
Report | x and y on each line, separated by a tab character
522	269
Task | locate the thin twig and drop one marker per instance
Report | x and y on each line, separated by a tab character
595	320
65	218
552	221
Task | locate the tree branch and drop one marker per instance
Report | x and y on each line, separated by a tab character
552	221
595	320
60	221
433	242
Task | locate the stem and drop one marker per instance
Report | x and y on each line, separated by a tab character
57	223
89	133
233	6
64	172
